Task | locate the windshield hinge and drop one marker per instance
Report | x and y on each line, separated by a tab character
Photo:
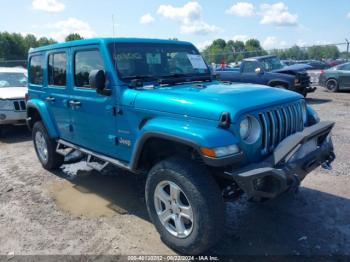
225	121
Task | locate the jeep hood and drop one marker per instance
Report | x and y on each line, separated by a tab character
13	92
210	100
295	68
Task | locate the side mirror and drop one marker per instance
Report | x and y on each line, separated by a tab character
259	71
97	80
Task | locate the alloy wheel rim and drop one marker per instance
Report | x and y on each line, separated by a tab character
41	146
173	209
331	85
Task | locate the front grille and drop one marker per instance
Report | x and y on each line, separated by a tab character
304	79
279	123
20	105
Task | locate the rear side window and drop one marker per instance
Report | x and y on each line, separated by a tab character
84	63
36	70
57	68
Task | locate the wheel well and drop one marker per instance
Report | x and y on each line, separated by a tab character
34	116
332	78
156	149
278	83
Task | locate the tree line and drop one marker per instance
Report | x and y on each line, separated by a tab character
221	51
14	46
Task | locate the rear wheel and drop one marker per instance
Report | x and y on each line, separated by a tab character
45	148
185	205
332	85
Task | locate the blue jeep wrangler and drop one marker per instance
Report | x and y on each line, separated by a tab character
152	107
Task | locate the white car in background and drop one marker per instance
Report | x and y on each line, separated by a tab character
13	88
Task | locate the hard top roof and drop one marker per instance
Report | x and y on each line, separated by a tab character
93	41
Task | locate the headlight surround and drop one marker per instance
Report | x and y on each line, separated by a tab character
249	129
6	105
312	116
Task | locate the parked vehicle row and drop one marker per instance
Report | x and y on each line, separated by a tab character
316	64
152	107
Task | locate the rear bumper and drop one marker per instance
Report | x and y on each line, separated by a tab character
291	161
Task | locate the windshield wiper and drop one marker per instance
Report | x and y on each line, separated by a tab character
178	78
151	77
175	75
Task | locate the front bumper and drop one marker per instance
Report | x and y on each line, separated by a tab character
303	89
291	161
13	117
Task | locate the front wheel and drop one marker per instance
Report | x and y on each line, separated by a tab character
185	205
45	148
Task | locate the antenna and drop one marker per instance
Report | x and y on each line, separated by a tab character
114	44
113	25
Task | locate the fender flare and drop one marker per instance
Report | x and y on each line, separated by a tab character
43	111
193	135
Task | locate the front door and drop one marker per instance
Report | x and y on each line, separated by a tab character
344	76
248	74
93	120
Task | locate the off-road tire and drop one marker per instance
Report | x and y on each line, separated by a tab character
332	85
204	197
54	160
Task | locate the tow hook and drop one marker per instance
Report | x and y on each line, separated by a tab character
294	187
326	165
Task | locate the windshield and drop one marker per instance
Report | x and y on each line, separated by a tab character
156	61
271	63
13	80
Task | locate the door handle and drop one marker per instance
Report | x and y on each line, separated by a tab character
50	99
73	103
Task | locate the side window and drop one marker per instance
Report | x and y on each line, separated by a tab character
345	67
57	68
84	63
249	67
36	70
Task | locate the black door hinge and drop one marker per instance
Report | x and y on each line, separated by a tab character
117	111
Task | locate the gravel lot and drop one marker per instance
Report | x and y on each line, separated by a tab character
79	211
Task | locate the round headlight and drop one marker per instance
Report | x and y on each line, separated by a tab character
250	129
244	128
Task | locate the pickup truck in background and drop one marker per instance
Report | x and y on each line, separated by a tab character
268	70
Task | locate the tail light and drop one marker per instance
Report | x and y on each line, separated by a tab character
26	97
322	72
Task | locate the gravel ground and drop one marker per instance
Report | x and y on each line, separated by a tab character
79	211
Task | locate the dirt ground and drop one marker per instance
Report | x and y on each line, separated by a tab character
80	211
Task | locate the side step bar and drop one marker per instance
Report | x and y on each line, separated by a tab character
65	148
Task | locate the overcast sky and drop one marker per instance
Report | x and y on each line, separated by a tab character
276	24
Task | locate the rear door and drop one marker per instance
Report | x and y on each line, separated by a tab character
93	120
